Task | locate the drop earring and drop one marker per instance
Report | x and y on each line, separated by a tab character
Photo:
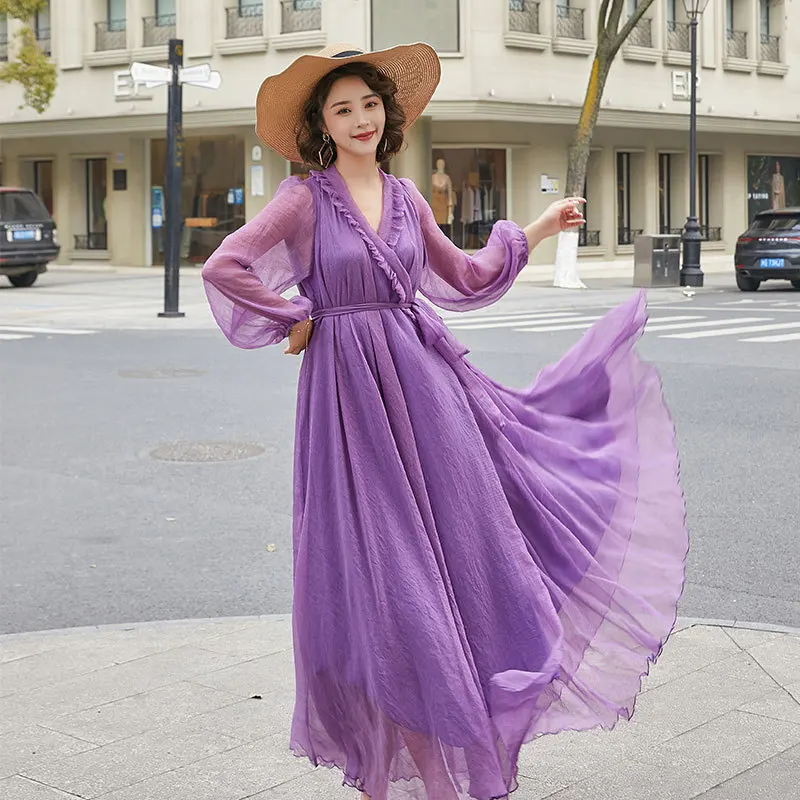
327	143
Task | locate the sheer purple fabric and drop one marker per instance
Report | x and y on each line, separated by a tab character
473	565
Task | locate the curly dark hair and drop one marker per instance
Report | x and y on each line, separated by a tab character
309	135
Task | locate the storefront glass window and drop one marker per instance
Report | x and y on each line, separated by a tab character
212	199
96	228
469	193
43	182
772	182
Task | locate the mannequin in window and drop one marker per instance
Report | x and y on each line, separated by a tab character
778	188
443	196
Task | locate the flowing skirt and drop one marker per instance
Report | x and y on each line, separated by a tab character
475	565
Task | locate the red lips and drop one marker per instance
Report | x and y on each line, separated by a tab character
365	137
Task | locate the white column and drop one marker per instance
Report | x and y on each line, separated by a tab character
415	160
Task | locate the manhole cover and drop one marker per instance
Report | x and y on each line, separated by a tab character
205	452
160	373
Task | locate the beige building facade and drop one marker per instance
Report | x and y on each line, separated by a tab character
514	77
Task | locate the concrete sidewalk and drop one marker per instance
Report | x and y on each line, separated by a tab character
200	710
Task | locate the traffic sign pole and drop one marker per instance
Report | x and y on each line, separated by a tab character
174	180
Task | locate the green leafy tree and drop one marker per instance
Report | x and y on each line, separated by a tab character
610	37
31	68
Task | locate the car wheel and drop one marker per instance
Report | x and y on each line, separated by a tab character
796	284
25	279
746	283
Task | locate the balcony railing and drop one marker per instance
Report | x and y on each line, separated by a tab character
43	40
91	241
736	44
3	47
642	34
245	21
158	30
569	22
770	48
523	16
678	37
111	35
627	235
588	238
301	15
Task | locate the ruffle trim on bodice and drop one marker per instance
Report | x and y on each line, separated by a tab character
396	210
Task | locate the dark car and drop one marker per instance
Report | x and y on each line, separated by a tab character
28	236
769	249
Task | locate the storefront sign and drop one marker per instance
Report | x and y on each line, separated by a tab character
126	88
773	182
549	185
257	181
682	83
157	206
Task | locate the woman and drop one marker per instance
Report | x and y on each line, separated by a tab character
473	565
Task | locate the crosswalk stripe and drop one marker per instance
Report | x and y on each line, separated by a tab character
474	325
10	337
580	324
781	337
509	315
60	331
733	331
710	323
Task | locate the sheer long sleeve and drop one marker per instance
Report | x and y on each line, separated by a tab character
245	276
459	282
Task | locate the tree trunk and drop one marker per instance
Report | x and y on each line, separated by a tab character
566	269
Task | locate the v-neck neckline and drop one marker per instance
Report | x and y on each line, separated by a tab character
386	201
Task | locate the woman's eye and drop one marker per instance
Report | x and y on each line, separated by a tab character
342	111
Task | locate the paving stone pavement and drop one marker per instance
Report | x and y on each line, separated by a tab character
166	711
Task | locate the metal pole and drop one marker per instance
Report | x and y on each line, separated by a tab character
174	180
691	273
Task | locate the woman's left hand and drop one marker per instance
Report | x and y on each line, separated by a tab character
563	215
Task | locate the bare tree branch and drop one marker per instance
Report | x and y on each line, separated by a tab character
602	16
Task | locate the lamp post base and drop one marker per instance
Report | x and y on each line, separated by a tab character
691	273
171	314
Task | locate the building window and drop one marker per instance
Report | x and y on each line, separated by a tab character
116	15
41	28
468	193
416	21
587	237
95	224
523	16
3	37
165	12
110	34
569	21
630	200
664	192
301	15
43	183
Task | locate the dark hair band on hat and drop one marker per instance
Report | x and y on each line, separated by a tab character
348	53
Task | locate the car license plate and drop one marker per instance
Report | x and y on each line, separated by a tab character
772	263
24	236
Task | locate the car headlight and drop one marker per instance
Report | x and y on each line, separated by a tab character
55	237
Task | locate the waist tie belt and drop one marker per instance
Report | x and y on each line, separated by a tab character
433	333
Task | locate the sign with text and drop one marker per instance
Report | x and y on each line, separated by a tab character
681	85
126	88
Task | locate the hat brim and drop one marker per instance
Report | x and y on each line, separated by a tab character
414	68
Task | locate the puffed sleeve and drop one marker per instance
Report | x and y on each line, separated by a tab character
459	282
247	273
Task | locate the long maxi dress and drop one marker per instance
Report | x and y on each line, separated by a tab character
474	565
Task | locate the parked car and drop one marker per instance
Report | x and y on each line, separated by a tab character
769	249
28	236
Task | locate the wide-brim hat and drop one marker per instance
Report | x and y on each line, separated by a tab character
415	69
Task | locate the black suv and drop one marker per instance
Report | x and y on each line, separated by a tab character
28	237
769	249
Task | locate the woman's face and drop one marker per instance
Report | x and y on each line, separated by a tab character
354	117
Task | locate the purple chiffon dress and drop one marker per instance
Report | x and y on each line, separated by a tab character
474	565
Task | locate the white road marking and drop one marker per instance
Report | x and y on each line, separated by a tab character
60	331
9	337
732	331
709	323
475	325
585	322
781	337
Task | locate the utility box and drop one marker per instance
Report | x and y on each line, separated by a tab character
657	260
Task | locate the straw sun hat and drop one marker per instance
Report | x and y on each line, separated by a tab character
414	68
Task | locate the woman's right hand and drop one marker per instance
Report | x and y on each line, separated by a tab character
299	337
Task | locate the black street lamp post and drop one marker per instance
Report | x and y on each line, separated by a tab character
691	273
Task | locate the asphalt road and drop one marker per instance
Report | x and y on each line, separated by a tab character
94	390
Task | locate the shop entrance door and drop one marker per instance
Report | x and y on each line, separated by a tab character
43	183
